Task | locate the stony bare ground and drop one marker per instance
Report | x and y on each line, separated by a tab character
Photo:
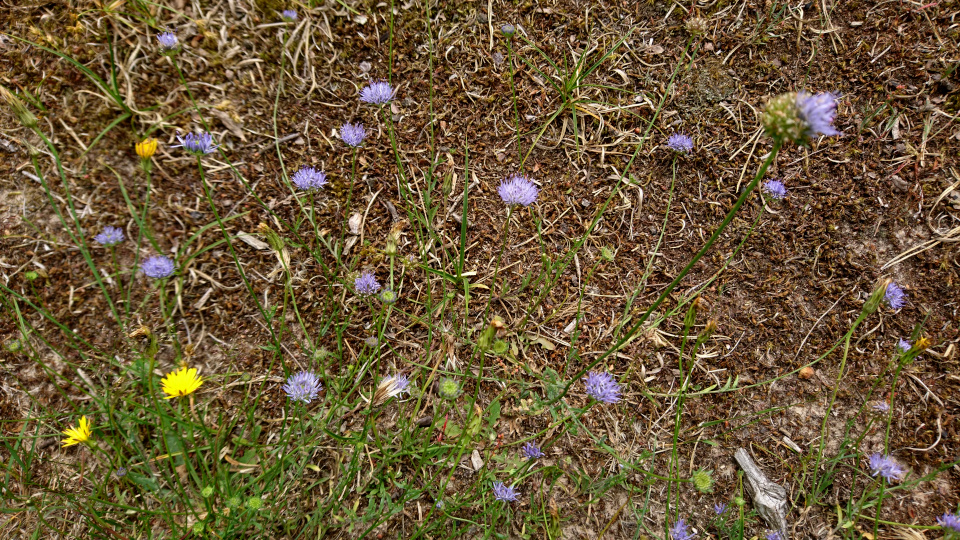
882	200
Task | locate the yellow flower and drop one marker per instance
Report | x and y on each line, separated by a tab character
147	147
181	382
79	434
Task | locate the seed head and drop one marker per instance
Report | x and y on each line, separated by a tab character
504	493
303	386
377	93
352	134
110	236
602	387
158	267
517	189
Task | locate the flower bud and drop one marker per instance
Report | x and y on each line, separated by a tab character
146	148
20	110
781	118
873	303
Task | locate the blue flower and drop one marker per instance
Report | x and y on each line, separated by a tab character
303	386
680	143
352	134
950	521
508	30
895	297
377	93
168	42
517	189
817	112
366	284
110	236
158	267
602	387
720	508
504	493
289	15
775	188
308	178
197	144
886	466
531	451
904	345
395	385
680	531
774	535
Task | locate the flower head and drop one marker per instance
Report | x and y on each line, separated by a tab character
508	30
181	383
817	111
158	267
377	93
146	148
197	144
881	407
680	530
168	42
79	434
388	296
120	472
601	386
517	189
904	345
895	297
702	480
303	386
254	503
308	178
366	284
389	387
110	236
951	522
680	143
800	116
720	508
504	493
886	466
448	388
289	15
531	451
352	134
774	535
775	189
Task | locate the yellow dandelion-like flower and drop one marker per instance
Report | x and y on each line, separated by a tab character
181	382
79	434
147	147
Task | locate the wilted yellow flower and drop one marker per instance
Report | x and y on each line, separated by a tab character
79	434
147	147
181	383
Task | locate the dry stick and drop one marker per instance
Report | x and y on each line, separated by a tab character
777	143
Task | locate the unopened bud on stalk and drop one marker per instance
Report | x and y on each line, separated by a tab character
873	303
20	110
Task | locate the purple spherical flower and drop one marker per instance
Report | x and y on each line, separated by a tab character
517	189
680	531
157	267
110	236
366	283
197	144
504	493
882	407
774	535
950	521
168	42
895	297
352	134
508	29
817	112
289	15
303	386
775	188
308	178
886	466
720	508
401	384
904	345
377	93
531	451
680	143
602	387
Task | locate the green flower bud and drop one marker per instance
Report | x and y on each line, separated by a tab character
206	492
702	480
449	388
20	110
254	503
500	347
781	119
